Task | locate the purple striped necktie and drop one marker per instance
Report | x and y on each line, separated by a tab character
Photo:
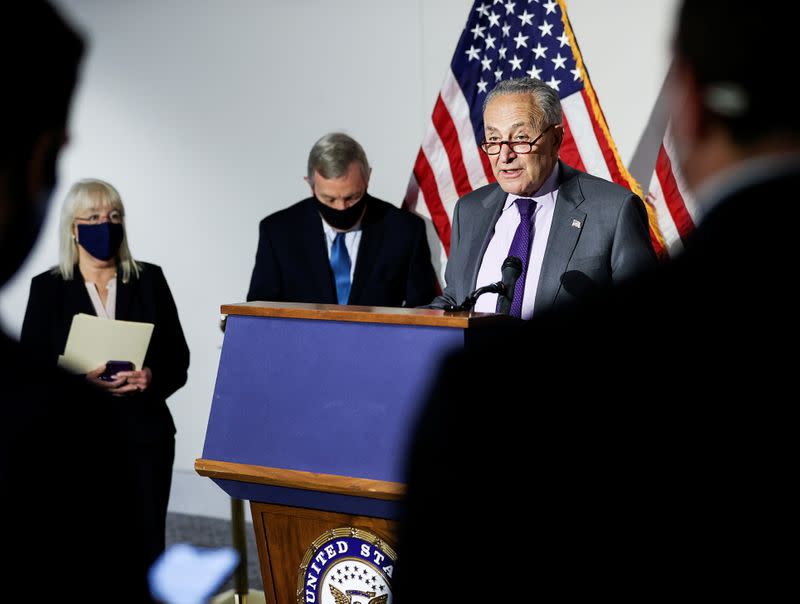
521	247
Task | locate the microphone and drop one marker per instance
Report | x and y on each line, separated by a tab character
512	268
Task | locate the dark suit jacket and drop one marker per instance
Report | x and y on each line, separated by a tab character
68	502
393	267
52	304
651	430
611	244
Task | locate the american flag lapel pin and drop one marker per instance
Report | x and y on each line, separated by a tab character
576	223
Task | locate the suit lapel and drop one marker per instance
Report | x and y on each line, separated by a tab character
564	233
316	252
368	248
484	224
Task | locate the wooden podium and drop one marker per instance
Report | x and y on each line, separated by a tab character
313	409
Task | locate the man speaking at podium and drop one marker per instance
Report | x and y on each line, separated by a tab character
341	245
676	482
574	233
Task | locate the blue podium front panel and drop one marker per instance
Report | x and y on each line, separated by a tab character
322	396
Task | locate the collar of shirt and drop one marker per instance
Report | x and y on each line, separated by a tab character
107	311
545	195
504	231
330	232
352	240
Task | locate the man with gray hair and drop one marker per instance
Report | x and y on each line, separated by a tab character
341	245
573	232
659	465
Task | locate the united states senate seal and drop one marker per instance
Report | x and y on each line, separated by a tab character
346	566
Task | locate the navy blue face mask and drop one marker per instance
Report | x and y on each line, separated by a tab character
101	240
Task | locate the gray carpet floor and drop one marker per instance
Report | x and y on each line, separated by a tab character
213	532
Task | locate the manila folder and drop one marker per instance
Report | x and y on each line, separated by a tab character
92	341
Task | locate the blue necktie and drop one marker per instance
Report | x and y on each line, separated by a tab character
340	263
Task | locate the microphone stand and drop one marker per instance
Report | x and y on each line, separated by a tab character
512	267
469	302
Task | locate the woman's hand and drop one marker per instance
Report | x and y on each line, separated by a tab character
94	378
133	381
124	382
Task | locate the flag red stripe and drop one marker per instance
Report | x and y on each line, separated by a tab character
569	150
605	147
427	184
449	137
672	195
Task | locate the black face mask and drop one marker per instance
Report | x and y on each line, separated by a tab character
344	220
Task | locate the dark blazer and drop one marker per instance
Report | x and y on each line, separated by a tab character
393	267
652	429
599	236
52	304
144	416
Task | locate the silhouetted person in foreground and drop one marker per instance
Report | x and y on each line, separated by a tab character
65	502
657	470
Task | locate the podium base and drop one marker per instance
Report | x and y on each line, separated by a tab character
229	597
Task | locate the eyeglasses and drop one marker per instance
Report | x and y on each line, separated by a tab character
520	147
114	216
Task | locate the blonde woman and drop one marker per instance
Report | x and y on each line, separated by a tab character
96	274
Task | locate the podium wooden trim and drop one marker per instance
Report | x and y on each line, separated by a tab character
363	314
295	479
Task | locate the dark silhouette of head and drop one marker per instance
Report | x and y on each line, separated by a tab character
729	85
40	55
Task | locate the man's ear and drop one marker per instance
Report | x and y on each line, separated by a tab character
558	131
690	118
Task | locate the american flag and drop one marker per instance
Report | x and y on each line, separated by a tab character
672	204
508	39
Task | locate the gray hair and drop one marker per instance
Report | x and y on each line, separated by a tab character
332	155
545	98
86	195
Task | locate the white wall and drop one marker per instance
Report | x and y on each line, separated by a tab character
202	113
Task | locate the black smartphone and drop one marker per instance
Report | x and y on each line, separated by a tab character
112	367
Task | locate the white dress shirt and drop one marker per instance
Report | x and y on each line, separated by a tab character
504	231
352	239
109	310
